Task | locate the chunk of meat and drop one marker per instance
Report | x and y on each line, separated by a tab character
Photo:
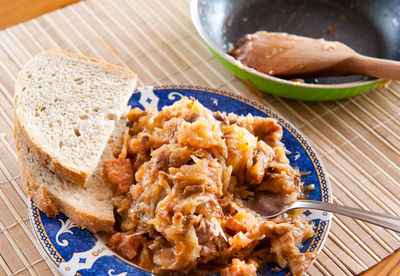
233	226
139	160
170	156
146	259
193	189
240	268
280	177
139	144
126	245
281	183
208	252
179	156
264	154
205	231
119	173
164	257
158	244
221	117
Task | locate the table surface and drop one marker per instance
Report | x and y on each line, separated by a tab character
16	11
358	139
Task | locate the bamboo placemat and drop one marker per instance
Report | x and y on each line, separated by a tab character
358	139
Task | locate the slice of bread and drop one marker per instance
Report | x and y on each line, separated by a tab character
89	207
66	107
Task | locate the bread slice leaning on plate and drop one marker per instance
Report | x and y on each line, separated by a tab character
88	207
69	118
66	107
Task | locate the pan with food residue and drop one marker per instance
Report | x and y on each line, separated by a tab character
370	27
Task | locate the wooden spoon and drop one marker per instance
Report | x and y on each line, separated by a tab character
282	54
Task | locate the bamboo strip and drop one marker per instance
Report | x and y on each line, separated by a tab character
14	245
5	92
194	53
4	265
348	158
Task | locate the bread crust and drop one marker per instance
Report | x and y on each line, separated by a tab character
51	204
51	162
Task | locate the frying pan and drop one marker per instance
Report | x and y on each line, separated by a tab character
370	27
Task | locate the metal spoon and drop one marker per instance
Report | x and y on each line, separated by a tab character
270	207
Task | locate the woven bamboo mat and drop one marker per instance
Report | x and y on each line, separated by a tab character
358	139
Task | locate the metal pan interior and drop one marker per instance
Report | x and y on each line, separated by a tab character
370	27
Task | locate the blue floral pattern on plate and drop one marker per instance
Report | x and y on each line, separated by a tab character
75	251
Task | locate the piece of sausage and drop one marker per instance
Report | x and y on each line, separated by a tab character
119	173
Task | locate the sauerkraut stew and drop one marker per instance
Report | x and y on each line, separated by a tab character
181	181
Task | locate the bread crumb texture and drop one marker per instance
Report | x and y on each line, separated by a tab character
68	105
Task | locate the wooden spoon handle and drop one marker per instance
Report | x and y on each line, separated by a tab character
375	67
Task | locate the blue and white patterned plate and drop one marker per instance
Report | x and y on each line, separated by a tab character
79	252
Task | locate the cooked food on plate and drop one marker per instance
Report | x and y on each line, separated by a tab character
170	188
181	182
